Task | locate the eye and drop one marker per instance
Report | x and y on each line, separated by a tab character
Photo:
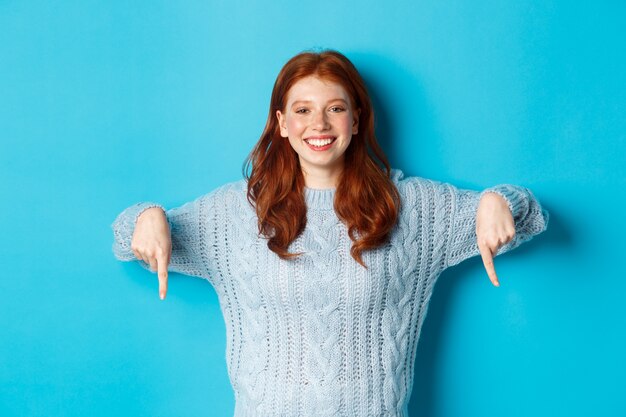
337	109
302	110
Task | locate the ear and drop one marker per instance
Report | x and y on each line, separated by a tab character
282	123
355	121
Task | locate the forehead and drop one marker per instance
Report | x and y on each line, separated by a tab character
313	88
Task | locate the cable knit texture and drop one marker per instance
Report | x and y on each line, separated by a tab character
320	335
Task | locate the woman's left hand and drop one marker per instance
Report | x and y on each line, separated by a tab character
495	227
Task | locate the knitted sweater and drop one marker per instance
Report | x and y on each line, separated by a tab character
320	335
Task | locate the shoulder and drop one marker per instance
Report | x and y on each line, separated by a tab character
408	186
232	192
228	201
432	199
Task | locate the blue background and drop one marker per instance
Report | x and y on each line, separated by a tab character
107	103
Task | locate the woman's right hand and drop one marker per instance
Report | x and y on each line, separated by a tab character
152	243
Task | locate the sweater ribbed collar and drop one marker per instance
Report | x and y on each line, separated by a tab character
324	199
319	199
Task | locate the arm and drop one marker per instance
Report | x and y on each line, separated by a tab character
190	253
529	219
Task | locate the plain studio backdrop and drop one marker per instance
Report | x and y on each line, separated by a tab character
107	103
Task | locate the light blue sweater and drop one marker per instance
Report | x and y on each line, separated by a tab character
321	335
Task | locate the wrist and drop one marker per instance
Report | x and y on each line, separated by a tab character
492	195
150	212
494	204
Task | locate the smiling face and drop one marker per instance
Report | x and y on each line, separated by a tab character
319	121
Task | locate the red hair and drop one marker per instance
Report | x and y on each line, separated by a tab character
366	200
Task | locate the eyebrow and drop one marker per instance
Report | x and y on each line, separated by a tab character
309	101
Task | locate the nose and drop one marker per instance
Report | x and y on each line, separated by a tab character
320	121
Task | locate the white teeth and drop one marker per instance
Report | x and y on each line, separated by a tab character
319	142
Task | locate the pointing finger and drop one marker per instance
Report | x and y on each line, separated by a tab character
162	273
487	257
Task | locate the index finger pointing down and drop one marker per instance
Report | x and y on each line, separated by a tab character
162	273
487	257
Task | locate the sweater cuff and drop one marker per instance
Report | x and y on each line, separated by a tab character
136	210
516	199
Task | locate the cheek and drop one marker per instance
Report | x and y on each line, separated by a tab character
295	125
346	122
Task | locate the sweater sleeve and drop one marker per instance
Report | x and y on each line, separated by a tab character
190	228
530	219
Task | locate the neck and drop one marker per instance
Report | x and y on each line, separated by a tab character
321	178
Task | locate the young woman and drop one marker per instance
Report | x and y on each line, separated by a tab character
323	258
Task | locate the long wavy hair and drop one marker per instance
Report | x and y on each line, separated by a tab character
366	200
